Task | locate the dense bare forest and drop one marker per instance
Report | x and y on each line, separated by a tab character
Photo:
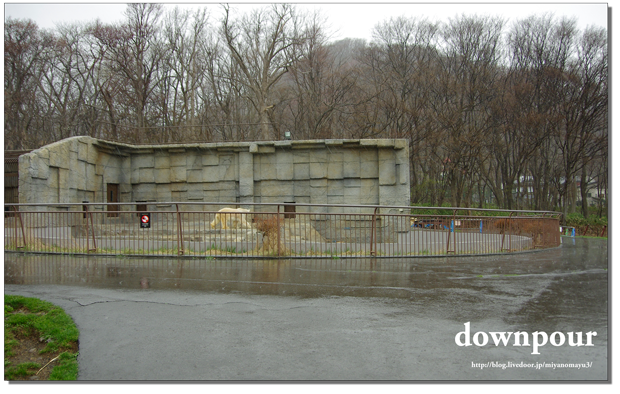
513	116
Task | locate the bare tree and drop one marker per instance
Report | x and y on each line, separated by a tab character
23	46
405	58
133	50
65	84
319	84
228	115
582	134
464	92
186	35
264	44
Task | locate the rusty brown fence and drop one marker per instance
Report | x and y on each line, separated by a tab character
273	230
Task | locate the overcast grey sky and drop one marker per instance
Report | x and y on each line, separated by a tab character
350	19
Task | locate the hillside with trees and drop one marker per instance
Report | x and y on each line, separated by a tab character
509	115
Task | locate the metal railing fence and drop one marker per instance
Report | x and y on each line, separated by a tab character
273	230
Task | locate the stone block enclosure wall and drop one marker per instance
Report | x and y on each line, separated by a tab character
353	172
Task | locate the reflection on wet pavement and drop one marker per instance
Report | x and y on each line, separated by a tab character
527	288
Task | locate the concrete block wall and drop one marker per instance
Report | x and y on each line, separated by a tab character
63	172
368	172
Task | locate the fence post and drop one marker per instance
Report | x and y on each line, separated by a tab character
18	215
278	229
508	225
88	229
179	232
373	234
450	232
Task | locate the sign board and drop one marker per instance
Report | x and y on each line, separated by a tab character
145	220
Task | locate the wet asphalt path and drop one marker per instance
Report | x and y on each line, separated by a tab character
329	320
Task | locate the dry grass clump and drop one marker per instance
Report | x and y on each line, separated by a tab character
270	226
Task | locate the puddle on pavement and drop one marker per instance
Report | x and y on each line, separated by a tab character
398	278
550	290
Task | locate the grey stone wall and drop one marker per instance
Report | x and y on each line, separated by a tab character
353	172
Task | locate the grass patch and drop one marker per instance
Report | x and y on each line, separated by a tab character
23	370
587	237
40	341
67	368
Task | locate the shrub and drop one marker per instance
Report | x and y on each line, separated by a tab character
592	226
269	225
